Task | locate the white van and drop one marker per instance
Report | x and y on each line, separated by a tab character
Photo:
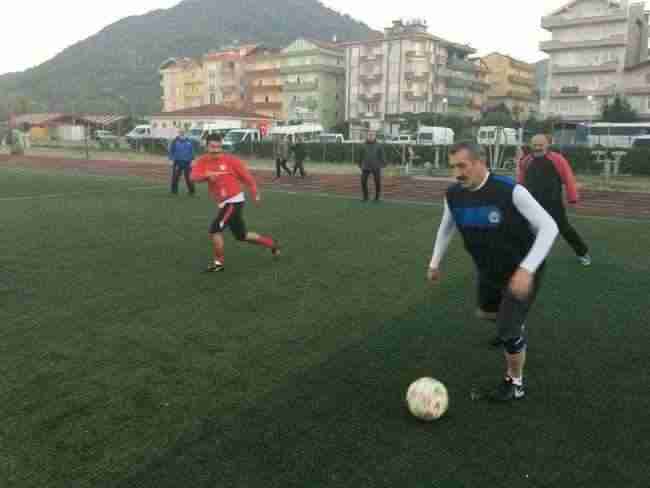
435	136
138	133
331	138
404	139
308	132
241	136
492	135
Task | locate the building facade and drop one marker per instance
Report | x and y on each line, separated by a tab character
225	76
313	79
263	80
408	70
594	45
512	82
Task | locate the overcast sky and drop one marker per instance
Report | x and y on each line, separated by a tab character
33	32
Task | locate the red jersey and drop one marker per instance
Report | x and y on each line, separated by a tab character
562	167
230	173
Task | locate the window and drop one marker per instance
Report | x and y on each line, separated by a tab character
266	99
213	99
647	103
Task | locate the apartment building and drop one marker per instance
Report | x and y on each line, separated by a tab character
409	70
313	79
599	48
512	82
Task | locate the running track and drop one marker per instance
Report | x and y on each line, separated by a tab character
632	205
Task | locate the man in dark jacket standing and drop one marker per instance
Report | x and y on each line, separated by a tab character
181	152
299	155
371	160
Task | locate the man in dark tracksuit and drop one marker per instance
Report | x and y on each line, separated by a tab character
281	152
372	159
544	173
299	155
181	152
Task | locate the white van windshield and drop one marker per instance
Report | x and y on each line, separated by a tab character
234	136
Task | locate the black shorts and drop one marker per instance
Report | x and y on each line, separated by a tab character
231	216
511	311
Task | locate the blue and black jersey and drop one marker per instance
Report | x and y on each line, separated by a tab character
495	233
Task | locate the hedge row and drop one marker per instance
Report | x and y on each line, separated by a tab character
635	162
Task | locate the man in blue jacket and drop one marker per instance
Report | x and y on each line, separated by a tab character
181	152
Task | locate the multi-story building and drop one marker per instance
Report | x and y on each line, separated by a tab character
408	70
264	90
512	82
173	74
226	81
313	78
594	45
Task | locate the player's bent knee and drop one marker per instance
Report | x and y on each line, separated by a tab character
515	345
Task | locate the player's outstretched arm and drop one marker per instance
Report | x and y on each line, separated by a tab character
546	231
443	240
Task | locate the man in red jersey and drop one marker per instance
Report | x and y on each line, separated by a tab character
225	174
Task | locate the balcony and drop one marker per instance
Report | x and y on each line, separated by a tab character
265	87
577	92
480	86
600	68
227	89
371	78
521	95
522	66
461	65
413	96
367	98
369	115
553	21
453	82
268	105
415	76
458	101
612	41
418	54
520	80
302	86
371	58
254	70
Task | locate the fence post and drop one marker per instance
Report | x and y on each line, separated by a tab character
86	143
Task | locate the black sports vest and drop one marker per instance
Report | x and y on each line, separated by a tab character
495	233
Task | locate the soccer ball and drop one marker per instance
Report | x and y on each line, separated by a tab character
427	399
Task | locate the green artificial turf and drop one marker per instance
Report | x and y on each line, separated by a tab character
124	366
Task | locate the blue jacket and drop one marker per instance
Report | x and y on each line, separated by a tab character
181	149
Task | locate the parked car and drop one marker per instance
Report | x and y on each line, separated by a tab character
106	138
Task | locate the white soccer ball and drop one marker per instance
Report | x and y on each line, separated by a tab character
427	399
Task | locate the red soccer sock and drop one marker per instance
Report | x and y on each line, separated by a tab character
264	241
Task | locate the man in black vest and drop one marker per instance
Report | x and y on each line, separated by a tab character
508	235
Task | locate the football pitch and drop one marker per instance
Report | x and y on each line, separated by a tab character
124	366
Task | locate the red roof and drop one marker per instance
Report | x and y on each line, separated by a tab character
232	54
213	111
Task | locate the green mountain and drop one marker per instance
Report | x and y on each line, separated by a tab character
123	59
